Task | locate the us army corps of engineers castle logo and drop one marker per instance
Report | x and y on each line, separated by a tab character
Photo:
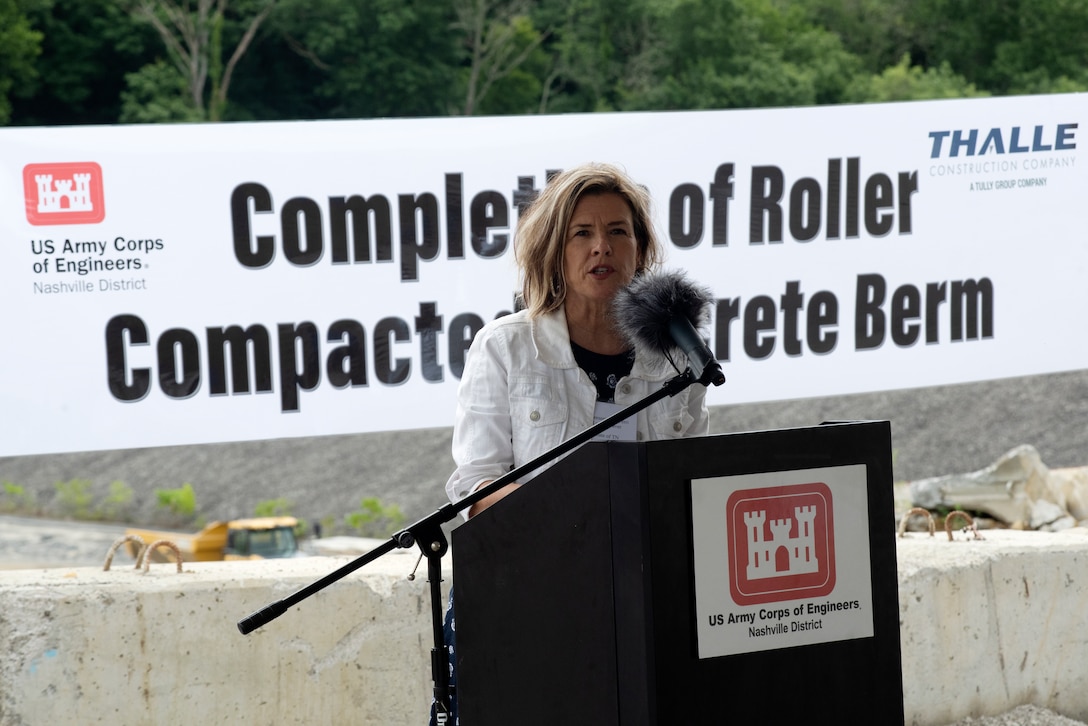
65	193
782	543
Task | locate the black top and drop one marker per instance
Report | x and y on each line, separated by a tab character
604	370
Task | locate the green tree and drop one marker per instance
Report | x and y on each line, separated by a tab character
963	34
75	497
878	32
274	508
180	502
740	54
87	48
593	46
118	502
195	33
20	45
1048	52
500	42
1011	47
345	59
904	82
15	498
375	519
156	94
177	60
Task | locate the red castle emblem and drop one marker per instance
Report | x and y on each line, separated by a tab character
781	543
65	193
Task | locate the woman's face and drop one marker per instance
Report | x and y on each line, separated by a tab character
601	253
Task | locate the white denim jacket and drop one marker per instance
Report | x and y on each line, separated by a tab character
522	394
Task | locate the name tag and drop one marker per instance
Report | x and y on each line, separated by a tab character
625	430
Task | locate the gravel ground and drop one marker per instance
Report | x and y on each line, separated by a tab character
1022	716
29	543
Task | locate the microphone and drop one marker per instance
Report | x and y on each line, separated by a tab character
659	312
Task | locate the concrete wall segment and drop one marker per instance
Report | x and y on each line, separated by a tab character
990	624
986	625
123	647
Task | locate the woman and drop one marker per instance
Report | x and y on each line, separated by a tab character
548	372
535	378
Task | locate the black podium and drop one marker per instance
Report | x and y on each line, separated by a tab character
743	578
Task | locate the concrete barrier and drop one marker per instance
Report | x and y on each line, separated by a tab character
986	625
84	646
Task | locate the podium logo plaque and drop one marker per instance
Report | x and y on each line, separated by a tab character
781	559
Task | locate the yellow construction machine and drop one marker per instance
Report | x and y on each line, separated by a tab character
240	539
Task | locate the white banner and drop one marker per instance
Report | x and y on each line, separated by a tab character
188	284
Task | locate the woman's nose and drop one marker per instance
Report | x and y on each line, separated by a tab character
601	245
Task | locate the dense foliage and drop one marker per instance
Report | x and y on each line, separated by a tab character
126	61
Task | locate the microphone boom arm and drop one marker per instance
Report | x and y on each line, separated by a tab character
409	536
428	535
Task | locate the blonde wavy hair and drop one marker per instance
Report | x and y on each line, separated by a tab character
542	230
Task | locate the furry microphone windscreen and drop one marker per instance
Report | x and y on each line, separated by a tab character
644	308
